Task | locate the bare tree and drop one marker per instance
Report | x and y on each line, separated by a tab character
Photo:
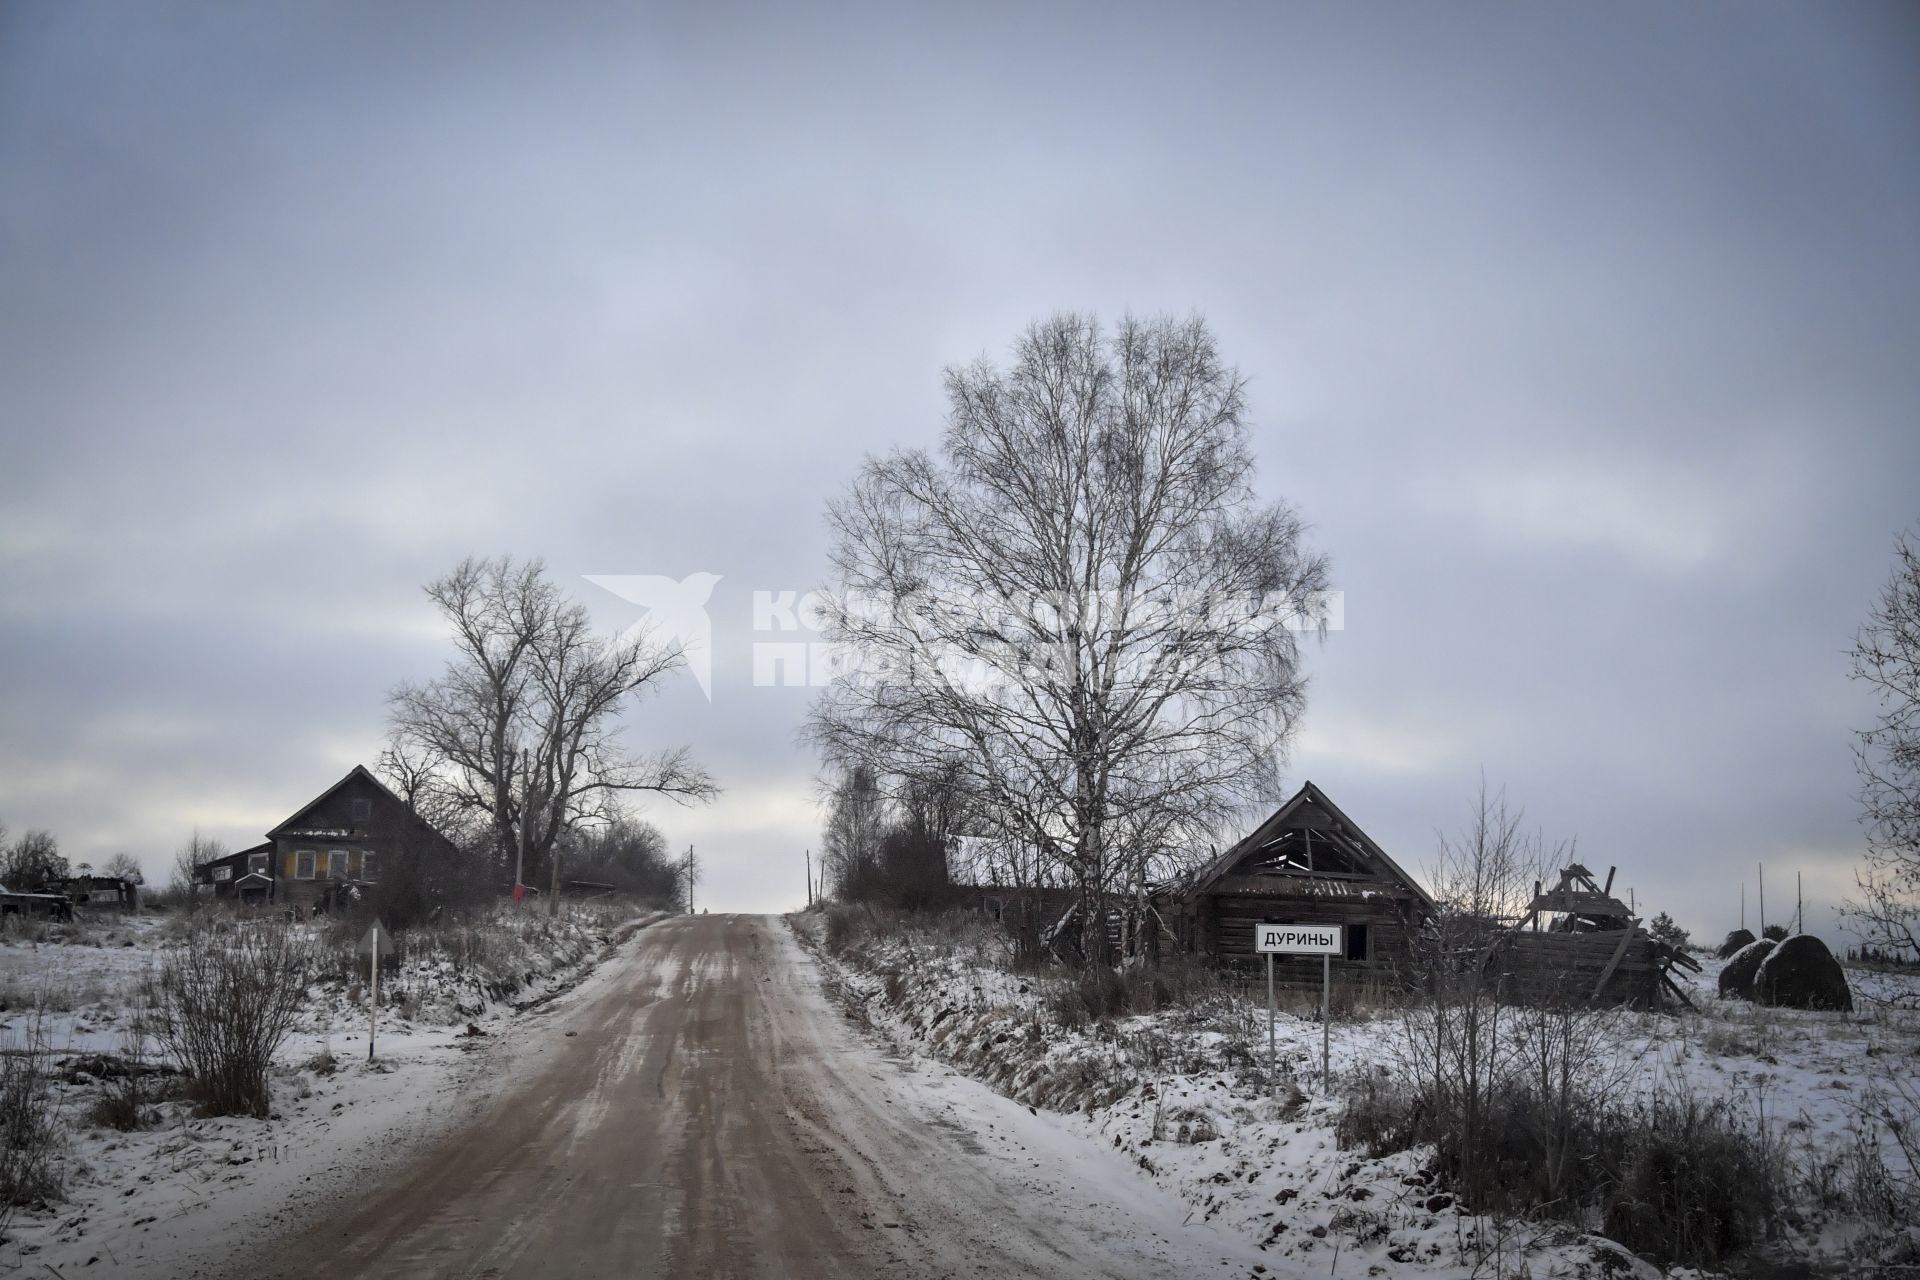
189	857
1079	610
33	862
413	775
124	866
856	823
1477	1064
1886	657
521	730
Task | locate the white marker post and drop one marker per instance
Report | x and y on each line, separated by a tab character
1324	940
370	947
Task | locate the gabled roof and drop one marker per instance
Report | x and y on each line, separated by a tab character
238	857
360	772
1282	817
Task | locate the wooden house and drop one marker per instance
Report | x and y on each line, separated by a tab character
1307	864
337	844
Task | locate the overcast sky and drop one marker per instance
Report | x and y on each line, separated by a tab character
1585	338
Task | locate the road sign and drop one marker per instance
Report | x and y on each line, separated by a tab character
377	942
1299	939
1323	940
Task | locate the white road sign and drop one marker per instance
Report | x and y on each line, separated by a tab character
1299	939
377	941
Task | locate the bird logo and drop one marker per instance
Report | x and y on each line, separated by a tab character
676	614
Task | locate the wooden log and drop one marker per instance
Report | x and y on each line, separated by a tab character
1626	938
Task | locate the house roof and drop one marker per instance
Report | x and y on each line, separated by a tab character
238	857
1221	866
358	771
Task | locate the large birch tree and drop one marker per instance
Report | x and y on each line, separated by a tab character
1079	609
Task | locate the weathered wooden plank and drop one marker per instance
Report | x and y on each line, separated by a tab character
1626	940
1575	903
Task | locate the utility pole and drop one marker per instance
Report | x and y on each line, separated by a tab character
688	864
809	877
1763	899
1799	906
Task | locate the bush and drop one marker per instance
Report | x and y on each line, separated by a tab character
29	1134
1675	1178
1098	993
222	1005
843	925
1686	1180
128	1084
122	1105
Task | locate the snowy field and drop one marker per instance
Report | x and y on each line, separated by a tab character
1187	1099
163	1198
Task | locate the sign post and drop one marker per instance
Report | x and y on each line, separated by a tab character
1324	940
377	937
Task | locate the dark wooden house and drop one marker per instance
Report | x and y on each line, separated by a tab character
1307	864
338	844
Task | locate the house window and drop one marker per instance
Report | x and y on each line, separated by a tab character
336	864
362	811
222	873
303	864
257	864
1356	942
366	864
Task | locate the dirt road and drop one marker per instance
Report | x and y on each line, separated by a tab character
704	1111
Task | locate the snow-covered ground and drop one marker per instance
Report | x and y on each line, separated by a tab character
154	1200
1184	1096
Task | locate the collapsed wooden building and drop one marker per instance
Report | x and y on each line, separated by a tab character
1306	864
1578	943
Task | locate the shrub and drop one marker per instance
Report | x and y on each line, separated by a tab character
1686	1180
843	925
1675	1177
30	1139
127	1090
1098	993
222	1004
121	1105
